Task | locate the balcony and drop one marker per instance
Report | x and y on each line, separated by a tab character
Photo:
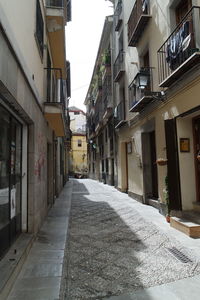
117	16
90	128
54	107
97	89
119	67
107	97
90	107
180	52
106	69
56	16
120	115
140	90
98	118
137	22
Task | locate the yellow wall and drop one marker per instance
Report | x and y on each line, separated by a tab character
78	164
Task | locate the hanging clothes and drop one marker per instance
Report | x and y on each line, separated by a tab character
144	5
177	46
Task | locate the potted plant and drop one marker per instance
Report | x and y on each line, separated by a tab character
166	191
106	58
161	161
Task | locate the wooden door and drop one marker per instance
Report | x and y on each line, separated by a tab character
196	130
154	171
173	165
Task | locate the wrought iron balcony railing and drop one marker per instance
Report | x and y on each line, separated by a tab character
138	20
96	119
117	15
180	52
119	67
98	115
119	114
90	107
90	127
107	92
140	90
56	87
56	3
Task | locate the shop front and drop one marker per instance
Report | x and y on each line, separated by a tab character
10	179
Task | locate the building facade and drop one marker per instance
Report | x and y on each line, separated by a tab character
33	126
155	84
100	107
78	153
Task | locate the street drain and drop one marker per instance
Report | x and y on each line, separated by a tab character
179	255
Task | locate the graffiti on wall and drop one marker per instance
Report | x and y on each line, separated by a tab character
40	162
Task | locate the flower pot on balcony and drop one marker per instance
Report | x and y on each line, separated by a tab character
168	218
161	161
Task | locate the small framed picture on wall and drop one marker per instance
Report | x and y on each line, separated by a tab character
184	145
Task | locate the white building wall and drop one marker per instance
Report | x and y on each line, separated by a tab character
20	23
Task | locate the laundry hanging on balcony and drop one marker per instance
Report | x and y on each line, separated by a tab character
178	46
144	5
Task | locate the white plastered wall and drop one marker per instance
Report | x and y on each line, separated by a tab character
20	24
186	164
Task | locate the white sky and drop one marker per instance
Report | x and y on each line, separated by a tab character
83	35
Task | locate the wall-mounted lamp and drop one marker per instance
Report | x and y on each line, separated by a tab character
142	79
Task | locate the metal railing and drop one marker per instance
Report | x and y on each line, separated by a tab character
90	126
96	119
141	7
107	92
119	64
91	106
180	45
117	14
56	87
56	3
136	93
120	112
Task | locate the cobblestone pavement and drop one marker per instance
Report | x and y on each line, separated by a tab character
113	250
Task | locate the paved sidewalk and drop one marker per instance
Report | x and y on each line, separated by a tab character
119	247
97	205
41	274
184	289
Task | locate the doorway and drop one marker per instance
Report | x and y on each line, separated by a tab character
196	132
154	171
10	179
150	172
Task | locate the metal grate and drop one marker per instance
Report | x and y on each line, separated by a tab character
179	255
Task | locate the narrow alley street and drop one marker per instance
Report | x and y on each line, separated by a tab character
114	249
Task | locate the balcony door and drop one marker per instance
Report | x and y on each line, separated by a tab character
181	10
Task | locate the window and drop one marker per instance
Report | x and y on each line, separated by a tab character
77	113
79	143
39	27
107	166
106	135
102	165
